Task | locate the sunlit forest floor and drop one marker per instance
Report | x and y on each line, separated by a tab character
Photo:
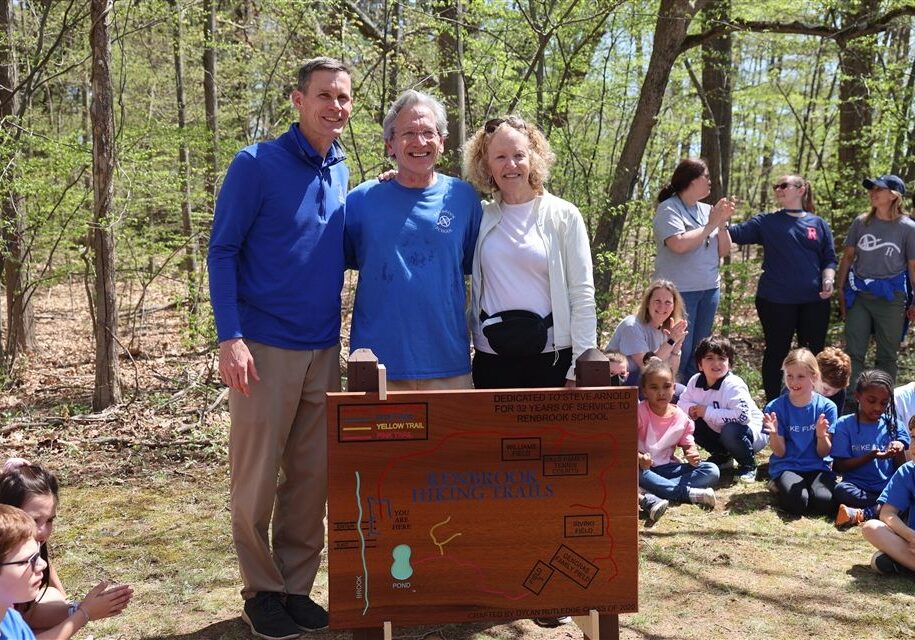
145	501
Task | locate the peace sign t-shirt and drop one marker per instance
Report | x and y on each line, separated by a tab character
883	247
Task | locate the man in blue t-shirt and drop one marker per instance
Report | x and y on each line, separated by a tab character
412	239
276	272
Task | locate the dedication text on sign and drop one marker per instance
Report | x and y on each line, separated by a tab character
475	505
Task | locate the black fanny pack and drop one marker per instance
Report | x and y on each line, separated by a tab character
516	332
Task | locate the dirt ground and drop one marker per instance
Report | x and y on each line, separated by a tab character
145	491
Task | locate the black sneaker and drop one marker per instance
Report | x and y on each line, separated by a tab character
882	563
307	614
267	618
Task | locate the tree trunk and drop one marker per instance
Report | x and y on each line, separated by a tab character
674	18
451	83
20	319
184	162
856	61
210	105
716	85
107	385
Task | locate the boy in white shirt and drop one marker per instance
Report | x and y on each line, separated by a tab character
728	422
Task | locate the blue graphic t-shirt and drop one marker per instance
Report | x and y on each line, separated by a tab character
412	248
852	439
900	491
797	425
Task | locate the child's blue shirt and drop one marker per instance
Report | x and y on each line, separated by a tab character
797	425
852	439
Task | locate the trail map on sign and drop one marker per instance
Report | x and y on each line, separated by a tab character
460	506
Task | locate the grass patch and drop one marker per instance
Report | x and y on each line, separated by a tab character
743	570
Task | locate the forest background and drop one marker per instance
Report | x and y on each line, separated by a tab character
120	118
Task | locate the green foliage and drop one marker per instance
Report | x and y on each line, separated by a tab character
574	67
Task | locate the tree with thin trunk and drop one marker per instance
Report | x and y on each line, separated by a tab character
184	159
19	315
210	105
107	384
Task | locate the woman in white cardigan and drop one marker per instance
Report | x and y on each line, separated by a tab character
533	310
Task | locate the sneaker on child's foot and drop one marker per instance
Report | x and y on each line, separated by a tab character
654	507
745	474
267	617
723	461
882	563
552	623
307	614
705	497
849	517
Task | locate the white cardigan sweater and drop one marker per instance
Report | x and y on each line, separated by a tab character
571	278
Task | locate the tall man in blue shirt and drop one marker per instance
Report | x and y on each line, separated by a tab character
412	239
276	271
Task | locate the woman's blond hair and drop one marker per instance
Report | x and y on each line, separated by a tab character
476	165
644	315
897	210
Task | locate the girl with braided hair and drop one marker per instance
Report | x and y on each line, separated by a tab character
867	447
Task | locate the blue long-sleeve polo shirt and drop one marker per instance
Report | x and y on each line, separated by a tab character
276	248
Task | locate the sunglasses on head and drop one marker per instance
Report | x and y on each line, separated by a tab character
32	560
491	125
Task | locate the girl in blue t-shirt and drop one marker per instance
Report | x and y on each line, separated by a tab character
867	446
798	424
894	532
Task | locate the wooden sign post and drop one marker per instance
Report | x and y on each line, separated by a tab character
469	506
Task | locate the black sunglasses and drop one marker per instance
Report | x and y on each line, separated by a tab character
783	185
32	560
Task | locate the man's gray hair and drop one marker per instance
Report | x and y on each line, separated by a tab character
322	63
409	98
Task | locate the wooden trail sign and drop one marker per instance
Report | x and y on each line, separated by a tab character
456	506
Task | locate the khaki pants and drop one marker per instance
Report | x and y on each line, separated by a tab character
432	384
278	465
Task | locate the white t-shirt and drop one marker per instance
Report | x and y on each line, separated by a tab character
515	269
904	399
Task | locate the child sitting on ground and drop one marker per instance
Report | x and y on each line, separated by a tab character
728	422
894	533
798	424
835	369
867	447
662	427
619	368
34	489
21	569
651	506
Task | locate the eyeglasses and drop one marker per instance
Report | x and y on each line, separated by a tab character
513	121
426	136
783	185
32	561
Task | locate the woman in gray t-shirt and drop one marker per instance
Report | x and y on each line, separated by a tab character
879	255
689	247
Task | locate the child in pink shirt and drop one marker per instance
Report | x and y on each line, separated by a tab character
662	428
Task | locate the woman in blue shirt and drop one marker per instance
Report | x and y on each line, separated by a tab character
799	263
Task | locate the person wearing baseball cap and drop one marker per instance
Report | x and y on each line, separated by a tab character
874	275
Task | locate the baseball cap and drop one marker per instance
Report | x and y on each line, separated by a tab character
888	181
